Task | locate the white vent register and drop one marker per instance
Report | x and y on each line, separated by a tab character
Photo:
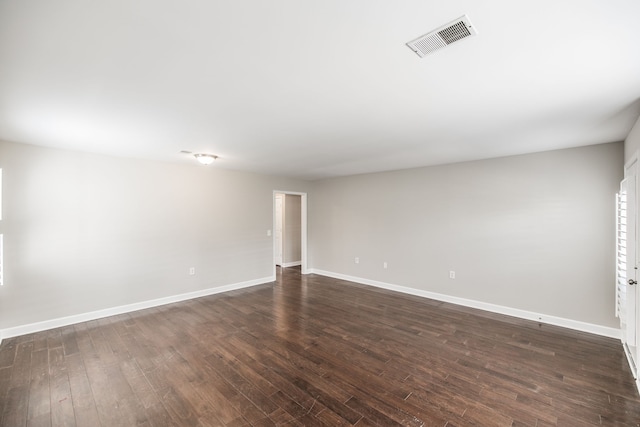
442	37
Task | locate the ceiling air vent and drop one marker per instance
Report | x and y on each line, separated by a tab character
441	37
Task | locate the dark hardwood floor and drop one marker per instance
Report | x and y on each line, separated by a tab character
314	351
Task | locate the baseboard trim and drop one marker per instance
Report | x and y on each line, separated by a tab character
523	314
99	314
291	264
494	308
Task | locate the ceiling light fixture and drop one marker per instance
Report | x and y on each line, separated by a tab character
205	159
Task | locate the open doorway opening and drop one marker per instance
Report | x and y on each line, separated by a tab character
290	230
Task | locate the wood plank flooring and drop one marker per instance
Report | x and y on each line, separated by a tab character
314	351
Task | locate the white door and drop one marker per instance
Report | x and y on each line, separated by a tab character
279	209
627	278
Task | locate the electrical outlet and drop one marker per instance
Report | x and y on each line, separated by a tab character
357	260
384	264
452	274
192	271
268	233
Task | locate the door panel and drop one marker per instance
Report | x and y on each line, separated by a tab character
627	293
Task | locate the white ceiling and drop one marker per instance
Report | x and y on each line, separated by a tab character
320	88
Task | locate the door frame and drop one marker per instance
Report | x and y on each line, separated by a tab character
278	235
631	171
303	228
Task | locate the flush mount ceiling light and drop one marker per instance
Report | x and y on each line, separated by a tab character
205	159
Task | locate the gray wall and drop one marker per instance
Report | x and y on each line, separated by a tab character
86	232
292	229
532	232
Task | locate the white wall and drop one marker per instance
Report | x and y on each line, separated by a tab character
532	232
292	229
86	232
632	143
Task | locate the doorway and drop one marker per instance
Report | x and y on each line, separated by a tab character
278	233
290	230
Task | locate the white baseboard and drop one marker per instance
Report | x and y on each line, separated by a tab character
78	318
291	264
523	314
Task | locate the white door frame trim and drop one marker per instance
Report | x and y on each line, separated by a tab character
303	226
633	359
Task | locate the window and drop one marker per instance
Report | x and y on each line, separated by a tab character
621	255
1	240
1	269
